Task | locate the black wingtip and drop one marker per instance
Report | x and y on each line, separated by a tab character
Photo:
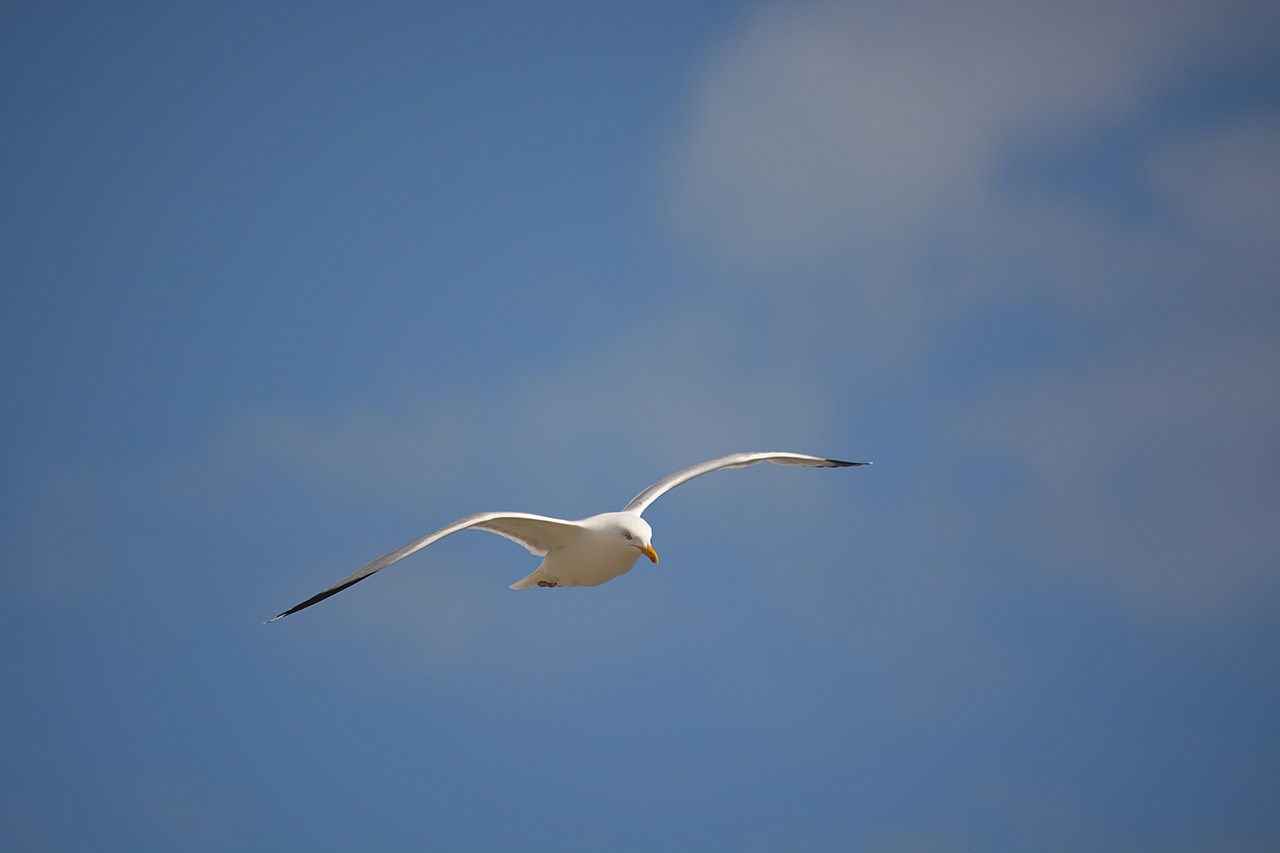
318	597
840	463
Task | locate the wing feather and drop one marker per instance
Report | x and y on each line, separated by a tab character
537	533
641	501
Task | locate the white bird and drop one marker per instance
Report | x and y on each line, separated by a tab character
588	552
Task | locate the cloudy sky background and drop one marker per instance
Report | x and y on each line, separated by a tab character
287	285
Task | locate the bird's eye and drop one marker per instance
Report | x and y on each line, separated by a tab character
628	535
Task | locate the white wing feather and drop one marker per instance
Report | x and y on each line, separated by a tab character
641	501
538	534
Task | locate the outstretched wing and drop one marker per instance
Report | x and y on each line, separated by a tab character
536	533
734	460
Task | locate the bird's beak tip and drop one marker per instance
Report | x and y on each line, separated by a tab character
648	551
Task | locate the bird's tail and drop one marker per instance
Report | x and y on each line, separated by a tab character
526	583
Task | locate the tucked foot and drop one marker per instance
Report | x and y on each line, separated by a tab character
547	583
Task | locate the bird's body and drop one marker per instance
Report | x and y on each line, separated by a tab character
598	553
587	552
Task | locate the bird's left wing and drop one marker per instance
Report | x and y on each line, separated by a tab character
734	460
537	533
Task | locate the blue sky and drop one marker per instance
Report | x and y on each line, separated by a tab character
287	285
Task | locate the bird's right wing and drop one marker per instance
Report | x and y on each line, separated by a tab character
537	533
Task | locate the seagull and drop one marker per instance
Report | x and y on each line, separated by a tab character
587	552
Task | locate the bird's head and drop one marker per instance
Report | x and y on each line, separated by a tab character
636	532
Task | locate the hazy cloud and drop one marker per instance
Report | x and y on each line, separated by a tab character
828	128
872	144
1154	472
1222	183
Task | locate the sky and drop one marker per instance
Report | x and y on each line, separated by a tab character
287	285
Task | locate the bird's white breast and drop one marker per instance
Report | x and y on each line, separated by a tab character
599	555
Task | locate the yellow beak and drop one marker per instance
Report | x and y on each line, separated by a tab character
648	551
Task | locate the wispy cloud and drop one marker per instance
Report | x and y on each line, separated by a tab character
824	128
1154	472
1222	185
872	145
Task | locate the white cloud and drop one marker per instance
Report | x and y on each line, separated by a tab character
678	390
822	128
1224	182
1154	450
1154	472
855	150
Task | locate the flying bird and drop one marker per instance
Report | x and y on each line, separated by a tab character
587	552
